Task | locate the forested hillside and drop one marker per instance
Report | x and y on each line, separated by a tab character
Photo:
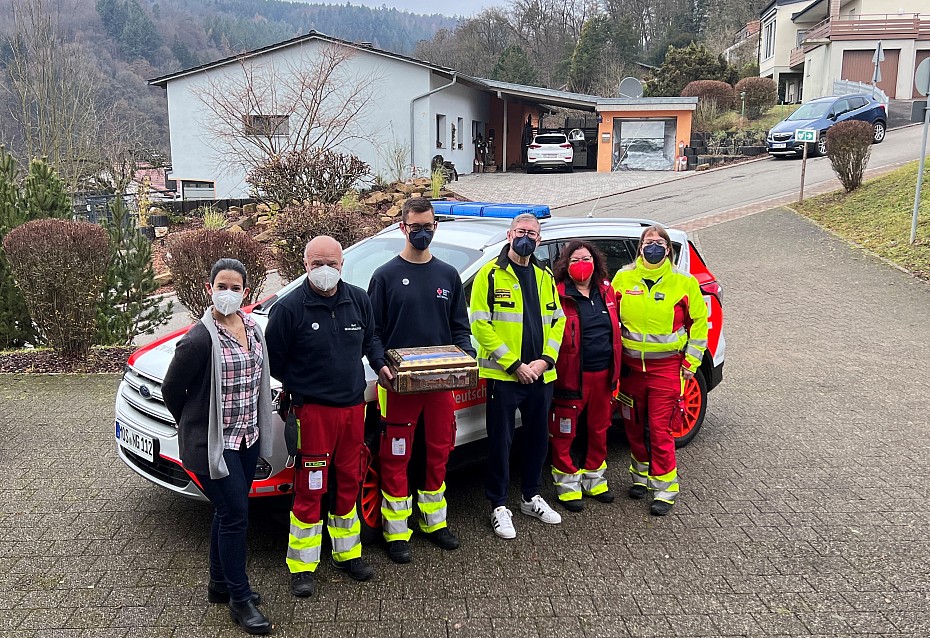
74	72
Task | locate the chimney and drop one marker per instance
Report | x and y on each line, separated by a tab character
834	10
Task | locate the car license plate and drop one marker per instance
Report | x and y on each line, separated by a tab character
137	443
782	145
550	154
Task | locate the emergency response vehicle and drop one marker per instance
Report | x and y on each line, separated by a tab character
472	235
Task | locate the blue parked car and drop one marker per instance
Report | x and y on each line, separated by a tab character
821	114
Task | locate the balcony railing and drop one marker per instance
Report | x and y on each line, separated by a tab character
912	26
797	57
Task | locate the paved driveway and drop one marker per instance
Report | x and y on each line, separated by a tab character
803	508
555	189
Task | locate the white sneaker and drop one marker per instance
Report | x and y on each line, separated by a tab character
502	522
538	508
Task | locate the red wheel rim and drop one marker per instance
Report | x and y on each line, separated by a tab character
371	497
691	403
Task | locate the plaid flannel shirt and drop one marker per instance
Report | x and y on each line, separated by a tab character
242	373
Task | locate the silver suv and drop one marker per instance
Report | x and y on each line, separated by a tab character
146	435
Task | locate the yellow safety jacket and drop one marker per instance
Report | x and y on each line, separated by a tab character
664	321
496	312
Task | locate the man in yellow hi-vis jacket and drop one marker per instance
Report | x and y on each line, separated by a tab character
517	320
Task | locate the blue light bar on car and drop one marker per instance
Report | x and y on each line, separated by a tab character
488	209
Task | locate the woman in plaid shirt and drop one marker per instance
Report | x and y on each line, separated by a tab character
218	390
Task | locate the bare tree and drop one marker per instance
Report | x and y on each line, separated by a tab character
270	108
52	91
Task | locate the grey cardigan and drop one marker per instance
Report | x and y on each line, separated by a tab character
192	391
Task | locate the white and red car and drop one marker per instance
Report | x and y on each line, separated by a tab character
146	434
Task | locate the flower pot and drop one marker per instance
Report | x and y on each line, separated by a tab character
158	220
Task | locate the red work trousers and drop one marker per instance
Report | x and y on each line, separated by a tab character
596	395
331	441
400	413
656	395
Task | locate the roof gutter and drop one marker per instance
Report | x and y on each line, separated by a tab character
455	77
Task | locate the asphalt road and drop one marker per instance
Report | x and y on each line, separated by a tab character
716	191
803	509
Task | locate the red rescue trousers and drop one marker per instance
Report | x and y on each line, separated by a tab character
331	446
399	414
564	421
656	395
332	437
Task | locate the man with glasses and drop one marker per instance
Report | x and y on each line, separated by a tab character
418	301
518	322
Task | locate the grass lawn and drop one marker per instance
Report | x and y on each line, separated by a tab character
877	216
773	116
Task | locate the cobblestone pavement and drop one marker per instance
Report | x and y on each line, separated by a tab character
803	508
555	189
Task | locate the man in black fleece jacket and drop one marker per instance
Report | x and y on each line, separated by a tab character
316	338
417	301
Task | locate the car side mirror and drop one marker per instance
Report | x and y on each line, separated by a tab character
832	115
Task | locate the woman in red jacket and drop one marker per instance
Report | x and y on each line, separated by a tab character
588	368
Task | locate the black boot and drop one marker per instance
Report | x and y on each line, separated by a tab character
572	506
637	491
356	568
302	584
444	539
604	497
399	551
247	616
660	508
217	593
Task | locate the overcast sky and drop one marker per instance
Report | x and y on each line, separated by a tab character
464	8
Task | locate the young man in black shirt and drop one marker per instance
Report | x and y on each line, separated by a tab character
418	300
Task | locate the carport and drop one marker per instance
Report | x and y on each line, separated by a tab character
511	105
631	134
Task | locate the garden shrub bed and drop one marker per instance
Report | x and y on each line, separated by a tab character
99	359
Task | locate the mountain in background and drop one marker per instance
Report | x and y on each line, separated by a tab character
125	43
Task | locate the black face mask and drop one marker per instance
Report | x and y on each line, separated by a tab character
420	239
654	253
523	246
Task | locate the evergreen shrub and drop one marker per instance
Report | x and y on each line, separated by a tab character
849	145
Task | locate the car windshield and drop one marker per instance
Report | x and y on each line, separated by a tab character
361	260
811	111
551	139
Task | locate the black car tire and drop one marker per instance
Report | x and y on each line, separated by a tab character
878	132
569	169
821	148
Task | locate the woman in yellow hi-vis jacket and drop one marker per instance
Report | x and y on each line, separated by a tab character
664	334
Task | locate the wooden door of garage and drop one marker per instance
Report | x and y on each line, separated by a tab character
858	67
921	56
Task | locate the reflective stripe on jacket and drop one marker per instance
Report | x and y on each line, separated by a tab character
496	312
569	365
668	320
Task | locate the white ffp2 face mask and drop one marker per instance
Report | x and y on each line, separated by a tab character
324	278
227	302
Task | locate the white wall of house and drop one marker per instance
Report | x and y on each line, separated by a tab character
786	39
818	81
197	154
458	105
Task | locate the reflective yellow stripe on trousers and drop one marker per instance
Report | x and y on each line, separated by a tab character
303	545
433	509
346	534
567	486
394	515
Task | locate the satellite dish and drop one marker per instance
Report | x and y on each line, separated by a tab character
631	88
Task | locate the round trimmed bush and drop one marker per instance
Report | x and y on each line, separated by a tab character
715	91
849	145
191	255
60	268
761	95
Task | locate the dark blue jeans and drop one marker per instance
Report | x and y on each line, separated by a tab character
230	496
504	399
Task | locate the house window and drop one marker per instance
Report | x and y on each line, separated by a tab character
768	40
457	136
265	125
801	34
441	131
